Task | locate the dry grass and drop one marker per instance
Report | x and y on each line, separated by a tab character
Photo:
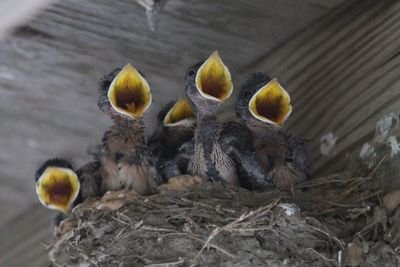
327	221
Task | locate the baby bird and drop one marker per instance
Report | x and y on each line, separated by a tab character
264	105
125	158
176	123
60	187
217	152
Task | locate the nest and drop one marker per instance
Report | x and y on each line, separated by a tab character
331	221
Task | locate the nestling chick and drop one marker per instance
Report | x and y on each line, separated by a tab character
125	158
264	106
176	123
217	152
61	188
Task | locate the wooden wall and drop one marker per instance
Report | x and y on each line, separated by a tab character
22	240
14	13
343	75
49	68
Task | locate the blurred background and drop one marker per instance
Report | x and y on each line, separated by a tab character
53	53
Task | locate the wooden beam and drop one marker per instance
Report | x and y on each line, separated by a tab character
52	65
21	239
343	75
14	13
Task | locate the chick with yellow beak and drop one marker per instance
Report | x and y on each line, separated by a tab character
213	79
264	105
125	157
217	152
57	187
271	103
129	93
178	113
176	123
60	187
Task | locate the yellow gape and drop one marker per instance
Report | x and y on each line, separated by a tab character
213	79
58	188
271	103
178	113
129	93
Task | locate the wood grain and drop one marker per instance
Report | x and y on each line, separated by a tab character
342	74
49	69
14	13
21	239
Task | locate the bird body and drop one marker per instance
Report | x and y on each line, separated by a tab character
208	154
216	152
283	154
176	123
189	139
125	157
284	157
90	179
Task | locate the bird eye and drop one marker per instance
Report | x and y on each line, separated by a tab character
191	72
247	94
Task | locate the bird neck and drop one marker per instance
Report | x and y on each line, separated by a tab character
261	131
130	127
207	128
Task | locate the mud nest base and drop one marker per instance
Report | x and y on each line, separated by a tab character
209	224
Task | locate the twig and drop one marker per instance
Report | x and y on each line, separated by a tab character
126	217
208	206
166	264
395	239
373	194
248	229
230	226
354	185
327	180
320	255
149	228
119	234
212	245
119	220
201	241
329	236
379	163
207	243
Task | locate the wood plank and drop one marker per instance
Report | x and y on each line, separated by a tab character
21	238
342	76
49	69
14	13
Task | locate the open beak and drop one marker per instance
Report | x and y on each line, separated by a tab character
129	92
179	113
58	188
213	79
271	103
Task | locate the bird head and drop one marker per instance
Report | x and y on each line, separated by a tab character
208	84
125	93
178	113
263	100
57	185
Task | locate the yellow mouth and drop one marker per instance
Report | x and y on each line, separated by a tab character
58	188
213	79
129	92
271	103
179	113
